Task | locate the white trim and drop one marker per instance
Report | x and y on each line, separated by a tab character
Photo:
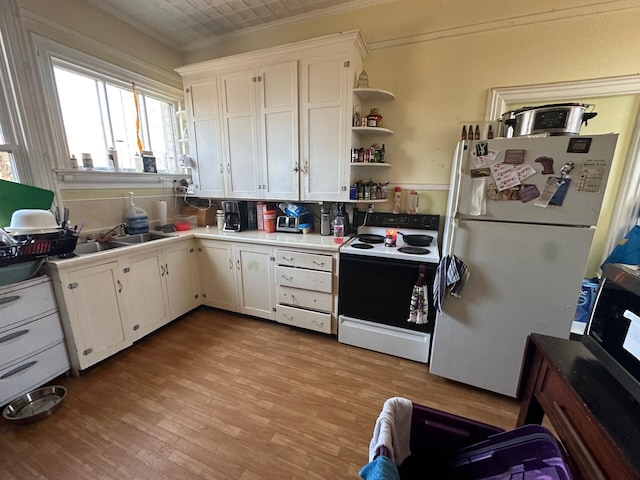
80	180
627	204
491	26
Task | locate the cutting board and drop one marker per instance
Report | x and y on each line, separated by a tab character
14	196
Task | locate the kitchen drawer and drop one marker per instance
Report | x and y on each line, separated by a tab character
23	340
302	278
32	372
323	263
25	300
296	297
574	428
297	317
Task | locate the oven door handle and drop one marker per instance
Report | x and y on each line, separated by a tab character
368	259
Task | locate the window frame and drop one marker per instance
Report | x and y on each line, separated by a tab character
51	53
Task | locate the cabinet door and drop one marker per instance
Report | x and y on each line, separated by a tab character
97	311
255	280
148	304
217	275
240	134
324	84
204	137
278	127
182	284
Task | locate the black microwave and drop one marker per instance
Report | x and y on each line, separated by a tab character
613	332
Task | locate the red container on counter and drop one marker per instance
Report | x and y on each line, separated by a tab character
270	220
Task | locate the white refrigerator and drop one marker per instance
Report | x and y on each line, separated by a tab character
521	216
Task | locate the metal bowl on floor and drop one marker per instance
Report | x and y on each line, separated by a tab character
35	405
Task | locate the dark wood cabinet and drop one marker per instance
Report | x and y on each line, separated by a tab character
596	420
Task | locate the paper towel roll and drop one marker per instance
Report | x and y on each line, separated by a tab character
161	212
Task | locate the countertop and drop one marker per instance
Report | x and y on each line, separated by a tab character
313	241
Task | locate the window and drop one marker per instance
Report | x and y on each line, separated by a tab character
100	113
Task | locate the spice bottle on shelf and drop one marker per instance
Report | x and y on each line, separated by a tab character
397	198
356	117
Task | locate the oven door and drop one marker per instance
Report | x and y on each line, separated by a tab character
379	290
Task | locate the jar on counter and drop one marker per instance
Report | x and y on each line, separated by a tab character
220	219
270	220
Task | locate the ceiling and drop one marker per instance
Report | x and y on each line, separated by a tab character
186	24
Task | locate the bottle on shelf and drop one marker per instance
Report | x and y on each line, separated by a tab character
477	133
357	120
490	133
463	136
470	132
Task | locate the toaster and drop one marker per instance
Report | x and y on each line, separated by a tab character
285	223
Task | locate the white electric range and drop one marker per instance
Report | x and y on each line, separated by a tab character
377	281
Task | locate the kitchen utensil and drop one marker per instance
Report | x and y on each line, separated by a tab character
35	405
25	221
14	196
370	238
556	119
417	240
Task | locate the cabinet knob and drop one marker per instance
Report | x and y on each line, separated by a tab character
136	327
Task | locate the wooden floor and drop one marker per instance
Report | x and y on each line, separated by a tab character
222	396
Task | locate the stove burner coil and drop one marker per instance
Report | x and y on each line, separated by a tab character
362	246
370	238
414	250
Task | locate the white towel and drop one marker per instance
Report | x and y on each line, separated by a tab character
393	429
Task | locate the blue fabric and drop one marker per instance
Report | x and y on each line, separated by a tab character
628	249
381	468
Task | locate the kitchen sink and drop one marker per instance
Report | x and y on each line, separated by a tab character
140	238
94	247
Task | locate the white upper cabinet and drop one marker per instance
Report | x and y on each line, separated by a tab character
282	121
204	135
260	120
278	121
324	121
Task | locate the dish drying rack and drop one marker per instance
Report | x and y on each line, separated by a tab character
36	246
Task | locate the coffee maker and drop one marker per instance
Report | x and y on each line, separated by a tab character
235	216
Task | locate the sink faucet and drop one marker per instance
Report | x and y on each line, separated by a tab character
105	237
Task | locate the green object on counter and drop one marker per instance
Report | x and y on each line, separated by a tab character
15	196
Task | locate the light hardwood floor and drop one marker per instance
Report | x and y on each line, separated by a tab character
222	396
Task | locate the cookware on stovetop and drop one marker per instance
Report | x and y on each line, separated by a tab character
555	119
370	238
417	240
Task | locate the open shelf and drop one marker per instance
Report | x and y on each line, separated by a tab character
372	130
370	164
367	94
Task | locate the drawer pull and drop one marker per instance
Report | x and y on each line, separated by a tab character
287	278
119	286
7	300
289	318
288	259
577	441
18	370
320	264
294	300
13	335
319	324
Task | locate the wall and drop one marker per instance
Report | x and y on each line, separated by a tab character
440	58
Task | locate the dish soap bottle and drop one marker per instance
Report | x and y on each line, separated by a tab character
137	219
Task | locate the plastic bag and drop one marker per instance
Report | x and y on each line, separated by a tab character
628	249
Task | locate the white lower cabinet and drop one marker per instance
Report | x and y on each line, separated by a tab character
238	277
32	349
217	274
106	307
306	283
147	292
93	308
